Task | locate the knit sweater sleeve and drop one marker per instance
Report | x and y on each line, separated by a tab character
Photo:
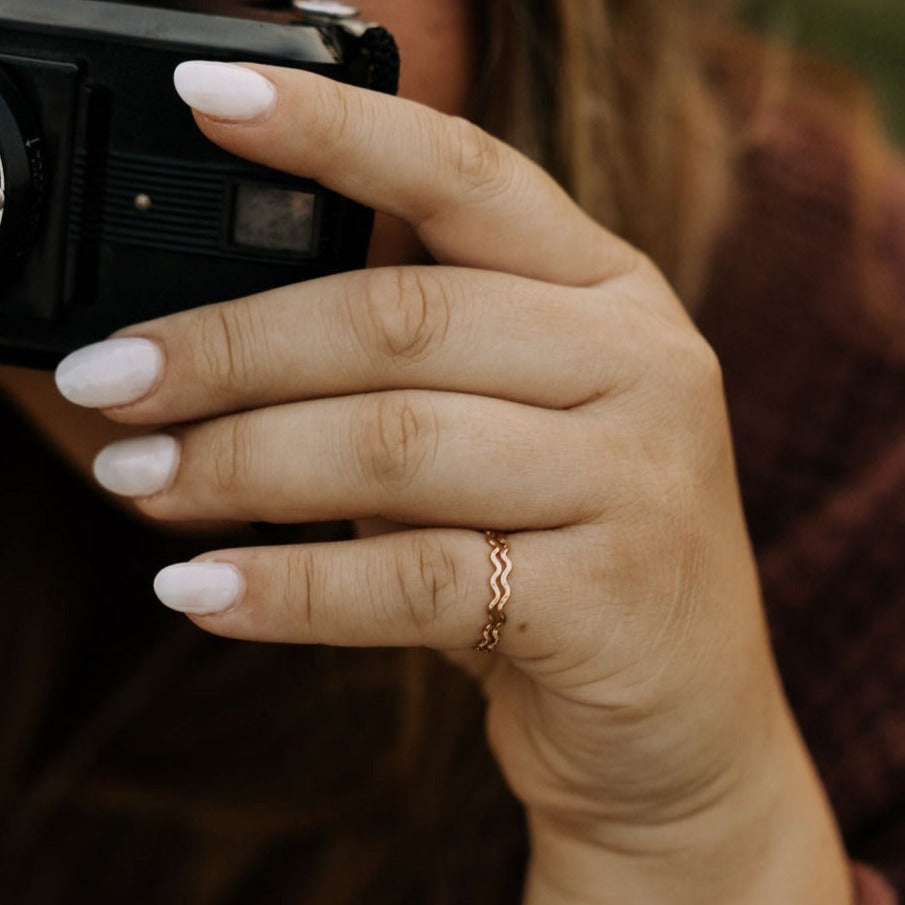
834	573
807	315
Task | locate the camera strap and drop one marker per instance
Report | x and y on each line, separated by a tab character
381	55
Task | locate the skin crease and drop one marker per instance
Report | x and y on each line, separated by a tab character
620	737
434	37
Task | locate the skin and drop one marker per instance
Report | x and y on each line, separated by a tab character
544	380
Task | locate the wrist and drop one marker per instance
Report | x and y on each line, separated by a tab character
754	846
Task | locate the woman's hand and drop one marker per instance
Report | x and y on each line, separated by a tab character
541	380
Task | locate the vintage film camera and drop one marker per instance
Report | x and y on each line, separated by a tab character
114	207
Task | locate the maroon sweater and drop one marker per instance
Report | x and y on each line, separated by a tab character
807	313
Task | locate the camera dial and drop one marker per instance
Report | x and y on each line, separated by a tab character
21	172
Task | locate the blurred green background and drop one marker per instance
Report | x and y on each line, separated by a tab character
867	34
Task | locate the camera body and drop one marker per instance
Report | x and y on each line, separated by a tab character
114	207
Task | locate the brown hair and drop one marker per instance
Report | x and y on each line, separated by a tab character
613	99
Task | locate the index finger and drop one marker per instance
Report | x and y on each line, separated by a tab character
473	200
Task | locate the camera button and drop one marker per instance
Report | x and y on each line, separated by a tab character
329	10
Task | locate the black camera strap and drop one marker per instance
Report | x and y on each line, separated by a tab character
380	55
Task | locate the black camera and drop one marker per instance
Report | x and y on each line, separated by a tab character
113	207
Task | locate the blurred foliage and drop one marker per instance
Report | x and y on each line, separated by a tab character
866	34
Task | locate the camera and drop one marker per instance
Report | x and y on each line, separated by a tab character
114	208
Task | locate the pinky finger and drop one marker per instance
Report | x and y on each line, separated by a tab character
414	588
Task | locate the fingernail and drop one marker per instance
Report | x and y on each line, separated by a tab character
113	372
137	467
201	588
224	90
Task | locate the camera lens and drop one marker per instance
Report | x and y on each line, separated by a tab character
21	171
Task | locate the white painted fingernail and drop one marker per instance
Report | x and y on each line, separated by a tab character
137	467
224	90
201	588
113	372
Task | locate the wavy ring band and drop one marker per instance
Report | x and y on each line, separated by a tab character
499	587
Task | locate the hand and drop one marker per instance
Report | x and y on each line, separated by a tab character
542	380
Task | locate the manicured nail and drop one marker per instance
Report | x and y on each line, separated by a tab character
201	588
140	466
113	372
224	90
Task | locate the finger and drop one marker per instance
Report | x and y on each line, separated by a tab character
411	456
415	588
421	328
473	200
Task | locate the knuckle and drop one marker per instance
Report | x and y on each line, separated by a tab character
229	340
335	114
233	453
426	580
703	373
301	591
639	262
710	369
636	277
398	440
697	446
480	163
409	313
693	368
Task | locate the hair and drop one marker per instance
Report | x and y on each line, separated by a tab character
613	99
643	109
